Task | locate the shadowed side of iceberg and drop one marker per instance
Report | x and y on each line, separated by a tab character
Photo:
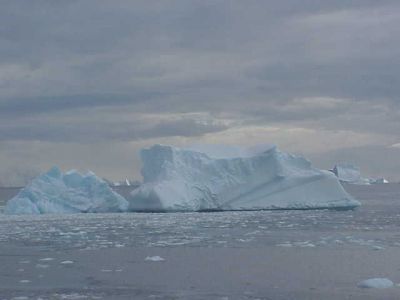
72	192
185	180
314	192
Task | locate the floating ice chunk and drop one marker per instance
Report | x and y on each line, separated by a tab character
54	192
24	281
304	244
67	262
378	248
255	232
245	240
287	245
42	266
46	259
25	262
154	258
75	296
308	245
185	180
378	283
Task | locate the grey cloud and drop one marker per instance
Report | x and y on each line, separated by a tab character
284	60
100	131
257	62
366	80
184	127
46	104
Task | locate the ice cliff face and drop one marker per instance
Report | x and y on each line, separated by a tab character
185	180
54	192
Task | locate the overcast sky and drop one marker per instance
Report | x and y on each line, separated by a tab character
85	84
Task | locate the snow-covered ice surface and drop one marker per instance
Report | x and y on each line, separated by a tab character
313	254
185	180
72	192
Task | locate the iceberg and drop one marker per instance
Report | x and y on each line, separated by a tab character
349	173
186	180
380	181
72	192
378	283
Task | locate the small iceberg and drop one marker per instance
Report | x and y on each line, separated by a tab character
72	192
377	283
349	173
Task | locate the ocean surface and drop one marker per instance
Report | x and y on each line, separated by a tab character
315	254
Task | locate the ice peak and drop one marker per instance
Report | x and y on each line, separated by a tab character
54	172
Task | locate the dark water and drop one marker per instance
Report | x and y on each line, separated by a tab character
225	255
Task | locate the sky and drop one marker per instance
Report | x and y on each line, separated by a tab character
86	84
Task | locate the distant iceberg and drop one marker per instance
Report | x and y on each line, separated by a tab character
186	180
380	181
55	192
349	173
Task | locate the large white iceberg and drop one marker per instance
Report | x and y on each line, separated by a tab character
72	192
349	173
186	180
